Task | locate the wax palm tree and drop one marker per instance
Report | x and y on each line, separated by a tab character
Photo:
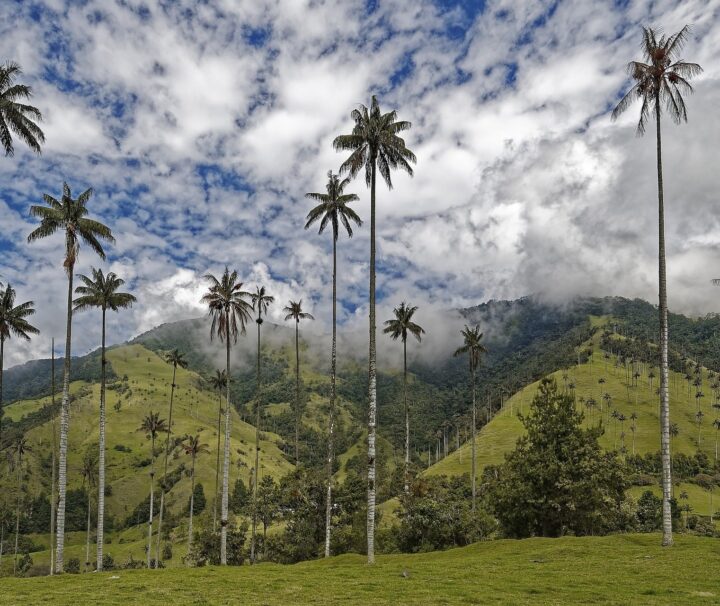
176	359
398	328
21	447
13	322
218	382
193	447
698	419
332	209
15	116
230	311
374	145
89	472
661	81
70	216
152	425
633	428
473	347
716	425
101	291
260	303
293	311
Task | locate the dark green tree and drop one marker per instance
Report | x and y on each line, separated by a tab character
557	480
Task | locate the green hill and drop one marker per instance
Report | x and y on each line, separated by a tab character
499	436
614	570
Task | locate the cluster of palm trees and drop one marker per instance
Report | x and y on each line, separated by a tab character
374	146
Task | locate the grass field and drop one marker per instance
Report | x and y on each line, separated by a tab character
621	569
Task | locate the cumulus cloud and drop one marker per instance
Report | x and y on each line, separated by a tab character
201	126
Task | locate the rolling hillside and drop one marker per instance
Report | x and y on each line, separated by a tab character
595	379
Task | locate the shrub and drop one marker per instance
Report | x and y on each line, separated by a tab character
108	562
206	546
73	566
167	551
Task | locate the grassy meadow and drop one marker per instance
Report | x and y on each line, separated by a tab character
619	569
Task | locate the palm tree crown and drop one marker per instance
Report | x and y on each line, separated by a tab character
101	291
219	381
662	80
13	317
228	305
260	302
192	446
333	207
176	358
402	324
294	312
472	345
152	424
69	215
374	141
17	117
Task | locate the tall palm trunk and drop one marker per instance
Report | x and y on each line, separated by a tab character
17	513
407	420
152	497
64	427
101	454
226	455
372	382
474	432
667	538
297	392
257	448
331	432
217	463
54	463
192	505
165	468
87	535
2	357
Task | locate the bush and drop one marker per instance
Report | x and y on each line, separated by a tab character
122	448
437	514
108	562
206	546
167	552
73	566
133	564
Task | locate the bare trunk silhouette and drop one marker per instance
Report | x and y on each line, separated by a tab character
372	382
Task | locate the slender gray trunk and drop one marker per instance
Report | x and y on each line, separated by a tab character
372	383
474	432
667	538
152	497
2	357
192	505
257	446
226	454
331	428
101	454
54	462
17	512
407	419
217	463
87	535
297	392
165	468
64	428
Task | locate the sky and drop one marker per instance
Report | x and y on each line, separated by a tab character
201	125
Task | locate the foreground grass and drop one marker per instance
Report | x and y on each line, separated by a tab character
624	569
